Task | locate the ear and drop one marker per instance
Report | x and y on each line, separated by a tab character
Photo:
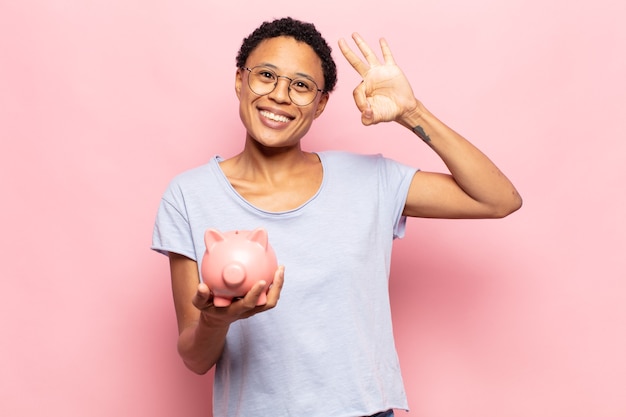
259	236
238	82
321	105
211	237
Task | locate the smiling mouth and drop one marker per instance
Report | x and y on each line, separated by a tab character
275	117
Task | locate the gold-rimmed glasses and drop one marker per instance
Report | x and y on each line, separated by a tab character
263	80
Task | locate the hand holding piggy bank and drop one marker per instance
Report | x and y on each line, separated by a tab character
234	261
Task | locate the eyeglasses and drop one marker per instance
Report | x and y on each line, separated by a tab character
262	80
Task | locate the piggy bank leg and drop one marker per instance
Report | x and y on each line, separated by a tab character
221	301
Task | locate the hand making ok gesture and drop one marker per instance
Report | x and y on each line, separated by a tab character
385	94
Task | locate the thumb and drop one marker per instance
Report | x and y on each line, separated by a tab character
202	296
367	115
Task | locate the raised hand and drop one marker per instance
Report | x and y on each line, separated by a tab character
385	94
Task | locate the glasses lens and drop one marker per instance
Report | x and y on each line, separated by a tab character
302	91
262	81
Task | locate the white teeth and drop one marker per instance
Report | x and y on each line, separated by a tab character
275	117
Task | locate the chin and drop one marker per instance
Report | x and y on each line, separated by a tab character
281	140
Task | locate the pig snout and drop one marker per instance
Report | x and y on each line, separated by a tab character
234	274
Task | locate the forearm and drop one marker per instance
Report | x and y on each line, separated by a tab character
471	169
200	345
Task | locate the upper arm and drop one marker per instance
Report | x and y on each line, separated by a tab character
437	195
185	280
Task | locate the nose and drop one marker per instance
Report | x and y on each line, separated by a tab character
280	94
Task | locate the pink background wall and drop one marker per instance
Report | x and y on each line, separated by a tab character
102	102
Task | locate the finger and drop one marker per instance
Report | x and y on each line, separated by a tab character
387	55
249	301
247	307
277	286
251	306
360	97
352	58
365	49
202	298
367	116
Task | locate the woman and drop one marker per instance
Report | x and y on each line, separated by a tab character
326	349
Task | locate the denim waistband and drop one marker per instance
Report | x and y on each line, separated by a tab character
388	413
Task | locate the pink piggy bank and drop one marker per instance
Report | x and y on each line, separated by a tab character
234	261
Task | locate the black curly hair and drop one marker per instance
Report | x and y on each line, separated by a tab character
300	31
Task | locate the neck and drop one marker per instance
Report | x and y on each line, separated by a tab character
271	164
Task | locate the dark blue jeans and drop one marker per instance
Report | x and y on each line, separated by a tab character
388	413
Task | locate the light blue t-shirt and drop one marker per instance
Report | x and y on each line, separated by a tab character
327	349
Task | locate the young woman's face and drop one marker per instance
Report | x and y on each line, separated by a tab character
273	120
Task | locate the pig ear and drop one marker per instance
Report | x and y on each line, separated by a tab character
259	236
211	237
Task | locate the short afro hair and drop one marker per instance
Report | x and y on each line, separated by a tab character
301	32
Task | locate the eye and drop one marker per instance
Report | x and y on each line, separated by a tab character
265	75
303	85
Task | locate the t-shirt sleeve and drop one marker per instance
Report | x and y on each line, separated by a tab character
395	178
172	232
